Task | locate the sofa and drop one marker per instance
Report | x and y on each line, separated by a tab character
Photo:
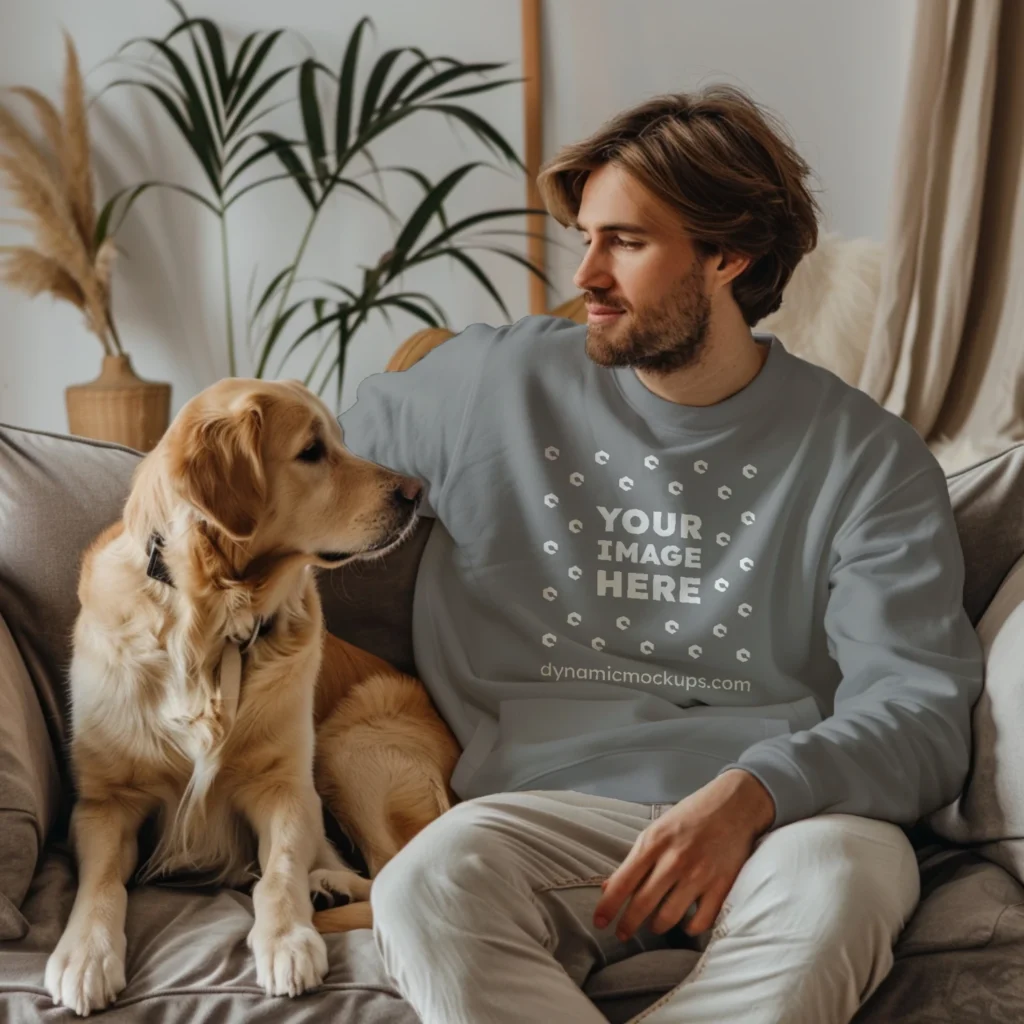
960	958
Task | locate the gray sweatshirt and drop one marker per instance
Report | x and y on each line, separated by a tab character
625	596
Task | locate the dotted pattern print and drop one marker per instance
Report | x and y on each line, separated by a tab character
630	538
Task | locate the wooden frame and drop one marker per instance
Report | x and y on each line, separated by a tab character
414	348
533	110
533	107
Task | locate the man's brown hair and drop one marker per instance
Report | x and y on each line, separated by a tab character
727	165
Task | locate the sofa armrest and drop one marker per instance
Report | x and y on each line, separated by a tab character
29	785
417	345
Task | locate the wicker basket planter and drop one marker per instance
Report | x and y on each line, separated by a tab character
118	406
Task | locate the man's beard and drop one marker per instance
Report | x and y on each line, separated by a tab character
656	340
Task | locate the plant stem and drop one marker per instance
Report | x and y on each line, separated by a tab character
107	350
229	317
114	334
290	279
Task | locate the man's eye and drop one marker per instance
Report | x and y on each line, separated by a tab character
624	243
314	452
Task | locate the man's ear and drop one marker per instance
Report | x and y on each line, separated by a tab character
222	470
731	265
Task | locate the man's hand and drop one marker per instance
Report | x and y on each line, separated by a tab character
692	853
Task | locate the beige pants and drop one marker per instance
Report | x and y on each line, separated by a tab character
486	916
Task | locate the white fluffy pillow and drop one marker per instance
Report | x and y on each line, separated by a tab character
828	307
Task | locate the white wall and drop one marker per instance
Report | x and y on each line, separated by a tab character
833	70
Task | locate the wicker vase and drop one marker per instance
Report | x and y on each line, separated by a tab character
118	406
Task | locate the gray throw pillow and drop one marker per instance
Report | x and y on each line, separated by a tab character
29	785
56	494
990	810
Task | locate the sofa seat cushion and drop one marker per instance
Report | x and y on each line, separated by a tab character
622	990
188	962
962	952
964	944
960	960
964	900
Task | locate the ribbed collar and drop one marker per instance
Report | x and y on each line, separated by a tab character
768	385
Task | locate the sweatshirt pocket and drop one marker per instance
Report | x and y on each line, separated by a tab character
535	738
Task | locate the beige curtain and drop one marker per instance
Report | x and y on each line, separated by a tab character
947	346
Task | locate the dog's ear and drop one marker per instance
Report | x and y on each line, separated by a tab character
222	469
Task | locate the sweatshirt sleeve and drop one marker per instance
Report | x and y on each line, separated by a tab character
898	743
411	420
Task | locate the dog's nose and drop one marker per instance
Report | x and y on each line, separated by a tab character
408	490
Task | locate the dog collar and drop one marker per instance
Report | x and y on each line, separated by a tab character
259	630
157	570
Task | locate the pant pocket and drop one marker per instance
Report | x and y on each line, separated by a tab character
591	801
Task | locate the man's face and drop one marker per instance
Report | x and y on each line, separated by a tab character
647	297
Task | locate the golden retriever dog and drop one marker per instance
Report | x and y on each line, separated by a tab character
194	687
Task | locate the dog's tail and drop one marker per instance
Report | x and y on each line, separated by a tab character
411	806
348	918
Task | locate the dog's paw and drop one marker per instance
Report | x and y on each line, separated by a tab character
289	963
86	972
333	887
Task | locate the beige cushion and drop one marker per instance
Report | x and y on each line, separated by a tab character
29	785
990	810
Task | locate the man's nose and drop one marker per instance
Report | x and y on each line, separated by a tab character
591	275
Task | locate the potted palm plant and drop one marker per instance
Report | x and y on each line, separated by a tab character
402	84
216	96
71	257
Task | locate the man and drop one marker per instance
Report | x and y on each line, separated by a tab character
691	605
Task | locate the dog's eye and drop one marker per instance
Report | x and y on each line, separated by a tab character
314	453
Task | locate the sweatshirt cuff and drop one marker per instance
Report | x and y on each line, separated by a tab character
788	787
